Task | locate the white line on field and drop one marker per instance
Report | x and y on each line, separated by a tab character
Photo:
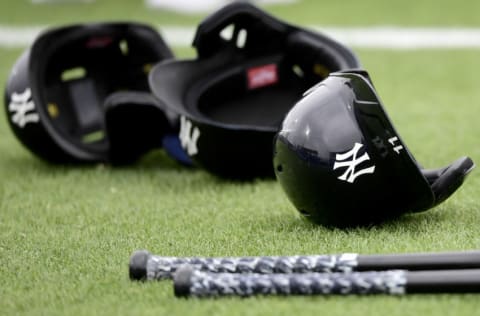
383	37
189	6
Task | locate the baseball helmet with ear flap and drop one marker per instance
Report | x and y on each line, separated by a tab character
341	162
251	68
56	93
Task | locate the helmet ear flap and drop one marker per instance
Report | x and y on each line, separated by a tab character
137	122
445	181
133	125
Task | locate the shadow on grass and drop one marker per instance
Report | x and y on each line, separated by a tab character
155	160
407	223
155	168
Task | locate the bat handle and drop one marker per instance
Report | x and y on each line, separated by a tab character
191	282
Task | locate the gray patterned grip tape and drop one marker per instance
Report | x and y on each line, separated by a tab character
145	266
191	282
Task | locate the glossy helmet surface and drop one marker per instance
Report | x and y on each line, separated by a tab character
251	68
341	162
64	91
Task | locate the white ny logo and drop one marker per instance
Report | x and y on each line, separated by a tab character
188	137
350	175
20	105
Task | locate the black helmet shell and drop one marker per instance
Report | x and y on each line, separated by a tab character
54	97
233	97
341	162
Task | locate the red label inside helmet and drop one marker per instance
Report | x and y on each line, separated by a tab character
99	42
262	76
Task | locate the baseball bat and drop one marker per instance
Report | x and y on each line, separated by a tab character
145	266
189	282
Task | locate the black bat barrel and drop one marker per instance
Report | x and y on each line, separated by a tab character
191	282
444	281
420	261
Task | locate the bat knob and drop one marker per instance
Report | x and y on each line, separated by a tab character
182	280
138	265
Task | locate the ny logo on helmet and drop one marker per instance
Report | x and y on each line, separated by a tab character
23	109
188	136
350	161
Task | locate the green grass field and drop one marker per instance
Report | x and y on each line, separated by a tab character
66	233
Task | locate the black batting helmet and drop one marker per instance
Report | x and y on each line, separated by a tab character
251	68
70	96
341	162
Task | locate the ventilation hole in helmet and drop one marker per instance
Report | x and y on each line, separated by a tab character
298	71
321	70
279	168
304	213
227	32
93	137
123	47
242	38
73	74
147	68
52	109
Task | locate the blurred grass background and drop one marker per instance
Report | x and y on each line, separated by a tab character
66	233
349	12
